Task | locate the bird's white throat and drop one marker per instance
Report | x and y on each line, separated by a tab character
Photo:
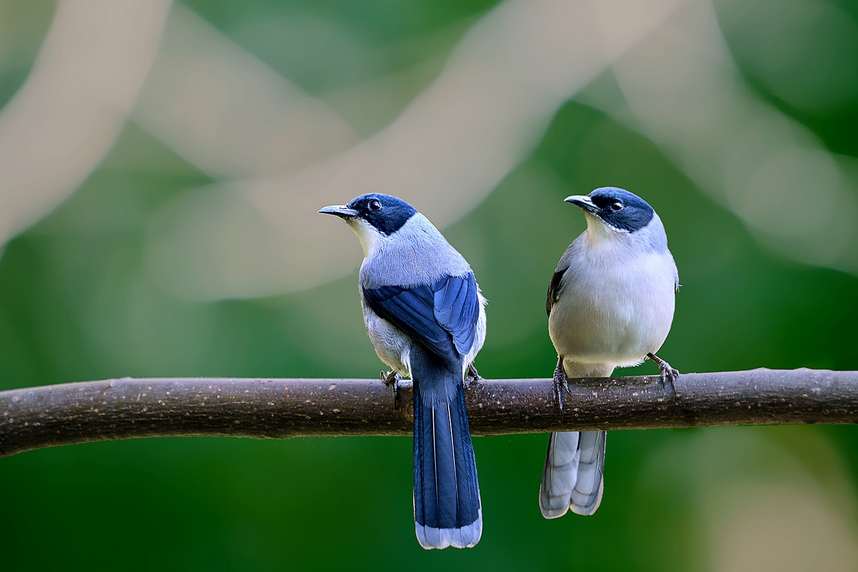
368	235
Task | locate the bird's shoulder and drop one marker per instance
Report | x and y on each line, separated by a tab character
417	254
555	286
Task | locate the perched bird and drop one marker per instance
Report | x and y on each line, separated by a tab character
424	314
610	304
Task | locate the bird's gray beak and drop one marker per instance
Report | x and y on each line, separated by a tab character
582	201
341	211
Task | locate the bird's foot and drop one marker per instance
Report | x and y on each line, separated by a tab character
471	376
561	384
391	379
668	373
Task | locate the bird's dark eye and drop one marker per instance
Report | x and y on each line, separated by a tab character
617	206
374	205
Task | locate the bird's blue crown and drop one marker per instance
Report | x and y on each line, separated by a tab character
621	209
386	213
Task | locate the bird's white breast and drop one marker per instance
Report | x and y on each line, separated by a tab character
616	303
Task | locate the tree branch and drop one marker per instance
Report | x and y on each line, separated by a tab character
53	415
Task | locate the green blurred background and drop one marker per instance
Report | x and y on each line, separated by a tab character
762	223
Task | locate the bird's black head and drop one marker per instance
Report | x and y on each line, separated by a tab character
385	213
616	207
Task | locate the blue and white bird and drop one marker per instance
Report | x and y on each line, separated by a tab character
610	304
425	315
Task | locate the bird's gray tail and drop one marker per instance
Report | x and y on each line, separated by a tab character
447	508
573	474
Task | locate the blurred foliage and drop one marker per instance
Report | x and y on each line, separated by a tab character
75	304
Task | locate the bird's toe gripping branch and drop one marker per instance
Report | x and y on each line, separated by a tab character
668	373
391	379
471	375
561	383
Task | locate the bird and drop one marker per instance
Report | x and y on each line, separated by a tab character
425	315
610	304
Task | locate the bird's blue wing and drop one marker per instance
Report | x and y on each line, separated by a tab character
457	309
554	289
442	316
411	309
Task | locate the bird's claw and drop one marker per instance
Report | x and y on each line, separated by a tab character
391	379
668	374
471	376
561	385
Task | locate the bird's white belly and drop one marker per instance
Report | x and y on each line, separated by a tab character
613	317
392	346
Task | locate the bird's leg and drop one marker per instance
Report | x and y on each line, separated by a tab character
668	374
561	383
391	379
471	376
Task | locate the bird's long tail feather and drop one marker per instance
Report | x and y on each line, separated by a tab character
447	508
573	474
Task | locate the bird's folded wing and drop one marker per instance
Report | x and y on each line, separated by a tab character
554	288
442	316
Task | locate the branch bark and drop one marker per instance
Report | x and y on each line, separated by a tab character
53	415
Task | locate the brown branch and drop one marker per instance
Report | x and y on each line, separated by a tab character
49	416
